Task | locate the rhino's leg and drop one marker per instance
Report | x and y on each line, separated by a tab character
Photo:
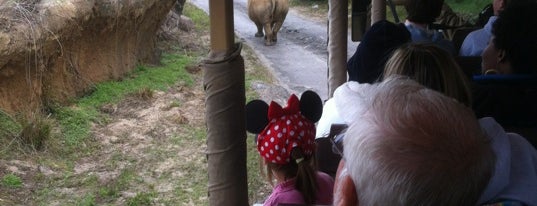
268	34
275	29
259	30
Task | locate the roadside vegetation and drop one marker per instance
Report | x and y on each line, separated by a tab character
87	154
469	9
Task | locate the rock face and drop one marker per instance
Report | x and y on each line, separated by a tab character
52	51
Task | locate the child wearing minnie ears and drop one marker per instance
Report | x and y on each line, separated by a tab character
286	143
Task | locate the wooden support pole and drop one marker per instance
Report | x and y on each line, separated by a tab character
337	44
223	82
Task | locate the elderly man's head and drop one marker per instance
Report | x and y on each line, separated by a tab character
410	145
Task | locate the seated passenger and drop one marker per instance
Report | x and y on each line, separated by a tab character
477	40
432	67
367	63
512	48
409	145
424	62
510	96
451	21
286	145
421	14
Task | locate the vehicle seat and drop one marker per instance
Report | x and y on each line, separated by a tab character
327	160
459	35
510	99
470	65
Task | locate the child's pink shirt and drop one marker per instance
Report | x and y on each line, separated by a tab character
285	192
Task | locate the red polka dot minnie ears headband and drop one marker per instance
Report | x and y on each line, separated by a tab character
280	130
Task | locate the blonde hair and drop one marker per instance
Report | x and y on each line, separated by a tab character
302	168
432	67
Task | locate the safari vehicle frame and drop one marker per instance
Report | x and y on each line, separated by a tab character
225	93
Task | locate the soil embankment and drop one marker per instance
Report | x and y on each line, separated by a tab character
52	51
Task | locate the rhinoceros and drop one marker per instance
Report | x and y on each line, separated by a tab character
268	15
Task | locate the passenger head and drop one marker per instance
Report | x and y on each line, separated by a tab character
432	67
286	139
367	64
498	6
411	145
423	11
513	46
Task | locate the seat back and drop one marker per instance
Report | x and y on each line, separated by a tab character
327	160
509	99
470	65
459	35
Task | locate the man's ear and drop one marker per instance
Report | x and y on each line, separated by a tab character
344	190
348	196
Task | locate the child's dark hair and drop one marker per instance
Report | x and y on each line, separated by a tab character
423	11
301	167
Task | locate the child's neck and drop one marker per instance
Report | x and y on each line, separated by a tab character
279	176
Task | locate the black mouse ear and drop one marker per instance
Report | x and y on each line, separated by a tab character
256	116
311	105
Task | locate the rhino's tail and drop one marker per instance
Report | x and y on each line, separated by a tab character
274	7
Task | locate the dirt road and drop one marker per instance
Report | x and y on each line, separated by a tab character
299	59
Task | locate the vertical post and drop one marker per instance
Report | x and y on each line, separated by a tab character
378	10
223	82
337	44
222	27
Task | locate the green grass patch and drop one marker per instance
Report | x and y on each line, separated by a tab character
192	185
198	16
87	200
8	125
144	77
11	181
255	72
24	132
468	8
9	131
76	121
141	199
71	141
315	7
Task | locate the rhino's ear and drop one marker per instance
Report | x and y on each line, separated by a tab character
311	105
256	116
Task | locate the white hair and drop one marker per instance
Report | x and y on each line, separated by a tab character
414	146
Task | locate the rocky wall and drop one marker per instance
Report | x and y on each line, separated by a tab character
52	51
